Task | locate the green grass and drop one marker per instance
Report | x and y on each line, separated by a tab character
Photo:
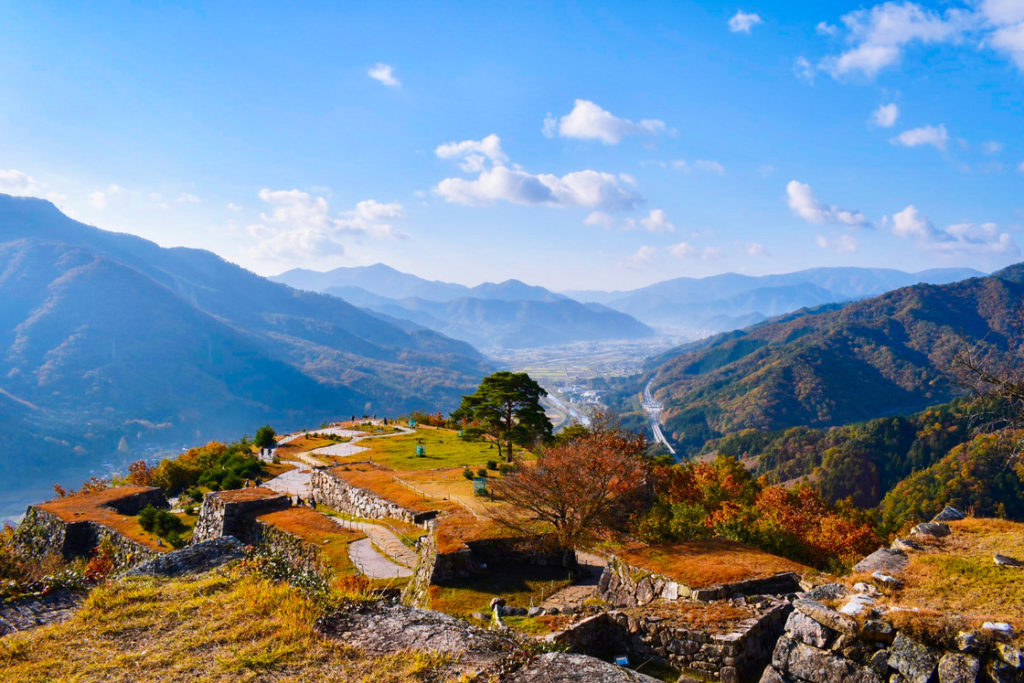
516	583
443	446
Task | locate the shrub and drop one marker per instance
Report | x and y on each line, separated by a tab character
265	437
492	464
481	472
162	523
506	468
467	473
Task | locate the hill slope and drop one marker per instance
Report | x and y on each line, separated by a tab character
887	355
105	336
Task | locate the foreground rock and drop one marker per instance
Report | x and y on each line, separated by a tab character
22	615
558	667
192	559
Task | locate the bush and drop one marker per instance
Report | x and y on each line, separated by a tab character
481	472
506	468
492	464
162	523
467	473
265	437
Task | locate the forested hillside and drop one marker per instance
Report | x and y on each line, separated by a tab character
888	355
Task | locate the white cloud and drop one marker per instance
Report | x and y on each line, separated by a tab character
756	249
992	147
706	165
826	29
1006	17
844	244
683	250
299	225
187	198
804	70
879	35
955	239
742	22
18	183
936	136
885	116
643	256
601	219
588	121
473	153
101	198
588	189
803	203
234	207
383	73
657	221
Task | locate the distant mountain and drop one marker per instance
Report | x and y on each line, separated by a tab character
886	355
377	279
490	323
107	336
700	306
509	314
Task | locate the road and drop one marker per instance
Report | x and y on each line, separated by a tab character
653	409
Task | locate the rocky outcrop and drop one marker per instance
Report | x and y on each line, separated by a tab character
193	559
822	645
623	585
560	667
887	560
21	615
233	513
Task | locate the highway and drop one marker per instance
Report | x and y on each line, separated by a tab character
653	409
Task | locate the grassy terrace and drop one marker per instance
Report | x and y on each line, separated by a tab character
331	540
518	584
216	627
705	563
444	450
956	575
89	507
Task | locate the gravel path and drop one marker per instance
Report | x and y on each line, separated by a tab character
293	482
591	567
371	563
384	539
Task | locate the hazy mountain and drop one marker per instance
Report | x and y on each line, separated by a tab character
106	335
488	323
717	303
377	279
509	314
890	354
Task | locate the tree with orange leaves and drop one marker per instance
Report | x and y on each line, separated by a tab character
576	488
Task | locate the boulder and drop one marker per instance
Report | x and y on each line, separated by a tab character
857	605
948	514
560	667
1001	672
915	662
807	630
933	529
883	560
890	582
535	612
1007	561
998	629
826	616
878	631
958	668
811	664
828	591
906	544
1010	654
192	559
967	641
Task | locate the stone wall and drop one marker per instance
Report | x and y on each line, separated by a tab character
300	552
624	585
327	488
821	645
44	533
739	655
416	592
233	513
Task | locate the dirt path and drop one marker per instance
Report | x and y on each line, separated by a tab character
372	564
591	567
385	539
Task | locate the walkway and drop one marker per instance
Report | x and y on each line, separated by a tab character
372	564
591	568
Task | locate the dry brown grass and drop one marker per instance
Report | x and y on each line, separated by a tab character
246	495
704	563
330	539
89	507
713	617
955	578
217	627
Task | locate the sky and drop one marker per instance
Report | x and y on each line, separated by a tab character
572	145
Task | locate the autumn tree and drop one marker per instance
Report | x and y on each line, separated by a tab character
575	488
507	405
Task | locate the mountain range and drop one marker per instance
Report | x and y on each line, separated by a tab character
109	340
509	314
886	355
700	306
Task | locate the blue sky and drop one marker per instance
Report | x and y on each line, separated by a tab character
576	145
